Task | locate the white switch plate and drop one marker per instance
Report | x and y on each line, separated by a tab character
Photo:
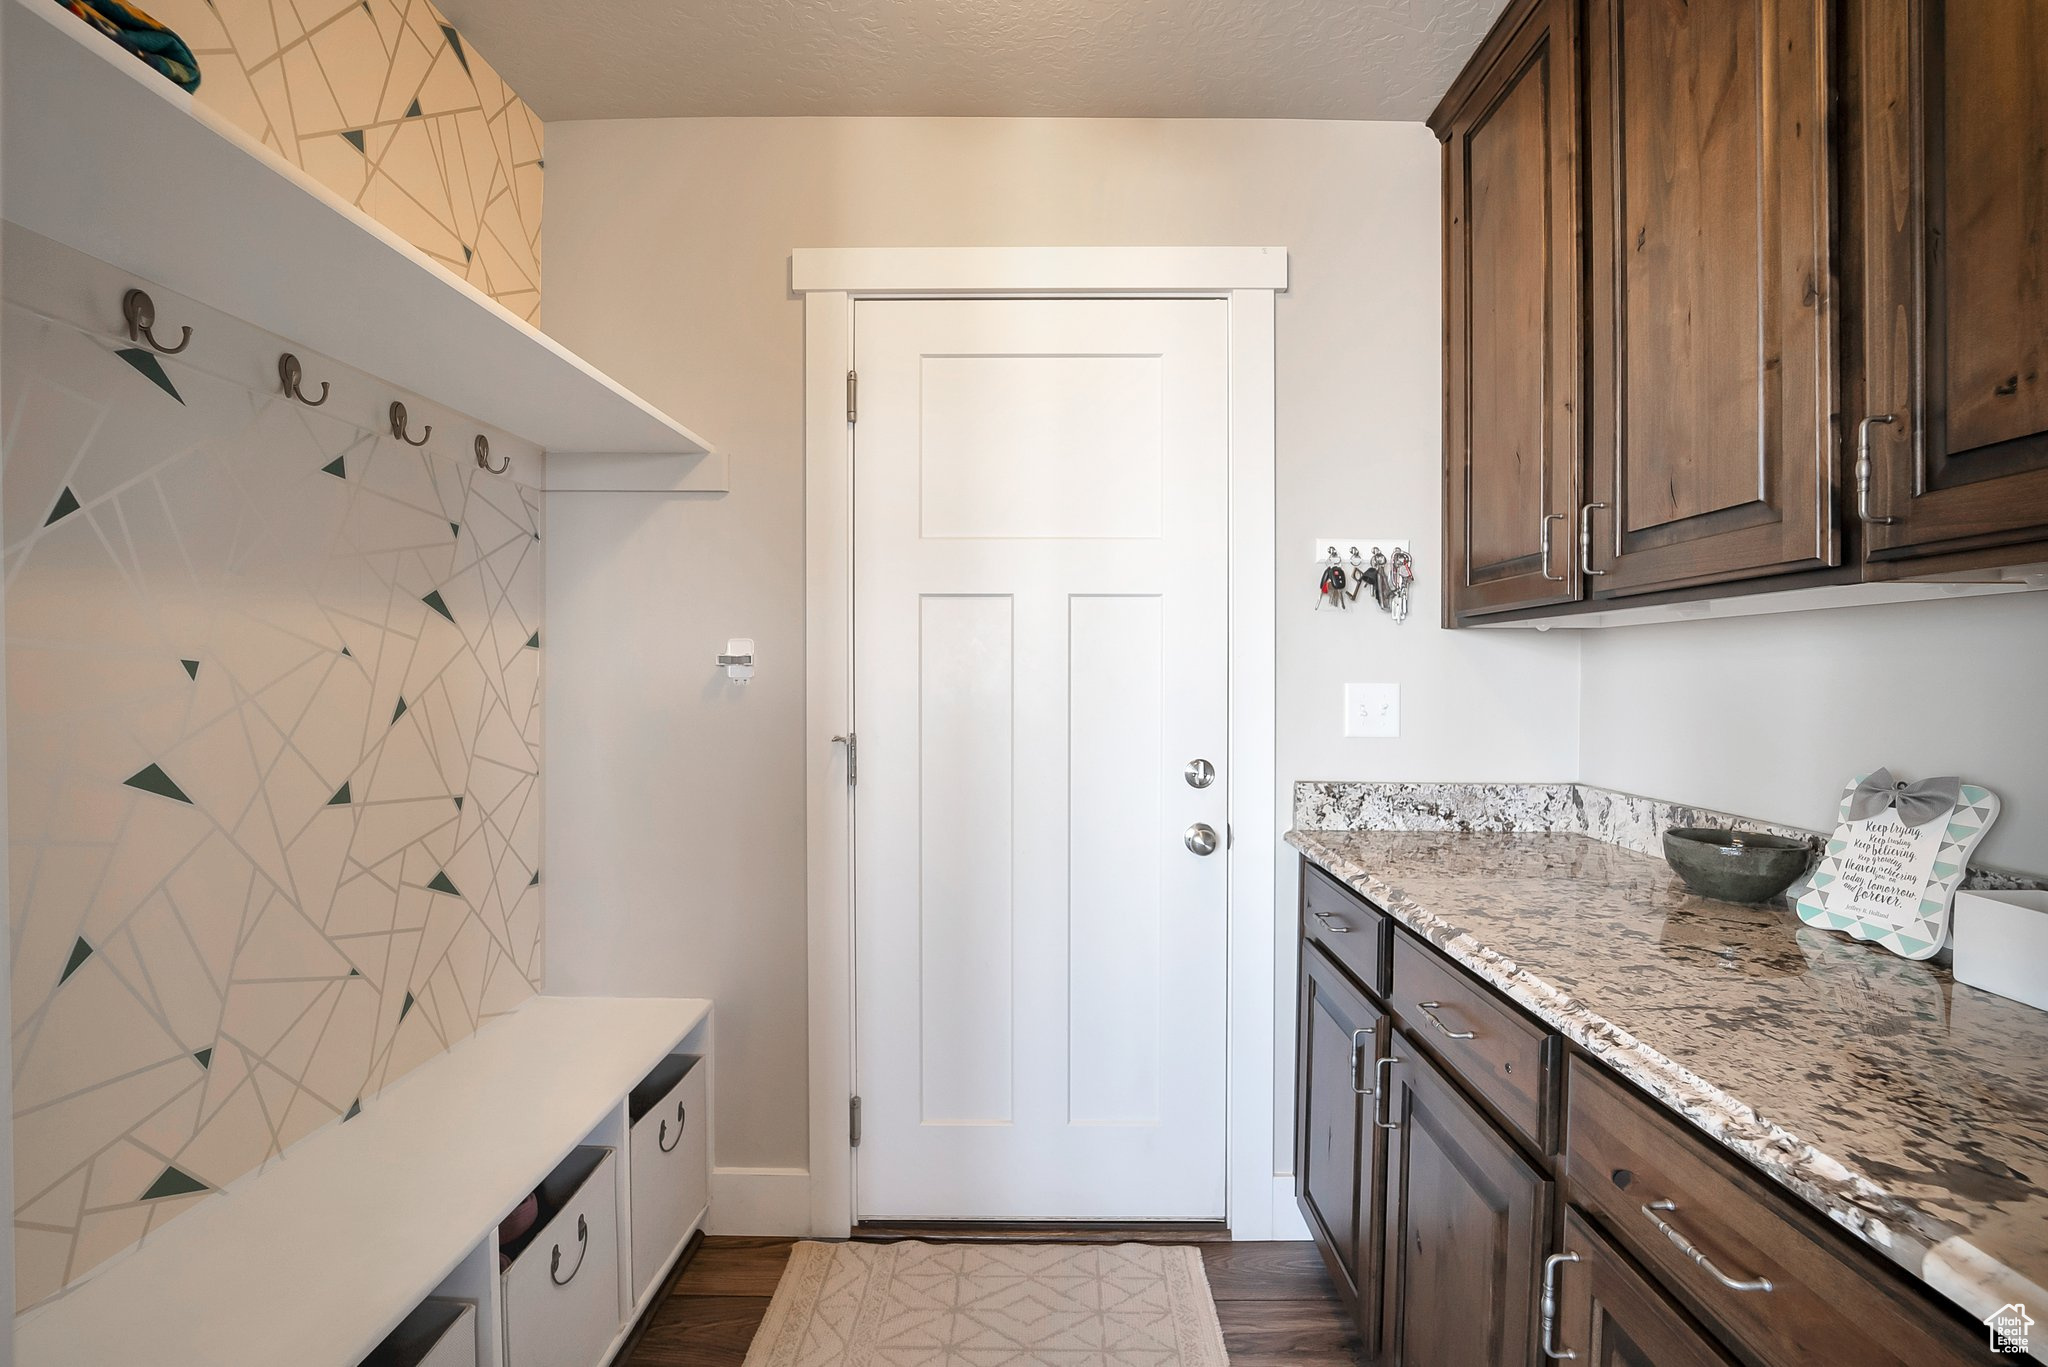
1372	709
1364	544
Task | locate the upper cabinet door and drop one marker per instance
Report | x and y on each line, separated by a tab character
1955	229
1712	338
1512	321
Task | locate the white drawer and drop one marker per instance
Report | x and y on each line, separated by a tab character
671	1168
561	1293
438	1333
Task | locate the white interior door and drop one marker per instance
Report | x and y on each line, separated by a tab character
1040	650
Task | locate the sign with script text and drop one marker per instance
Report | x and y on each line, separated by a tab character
1891	870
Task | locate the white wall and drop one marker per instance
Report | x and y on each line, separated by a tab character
1769	716
675	802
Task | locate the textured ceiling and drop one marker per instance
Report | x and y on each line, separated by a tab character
1322	59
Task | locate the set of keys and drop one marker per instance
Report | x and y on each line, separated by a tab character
1388	581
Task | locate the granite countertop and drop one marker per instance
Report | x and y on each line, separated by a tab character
1908	1108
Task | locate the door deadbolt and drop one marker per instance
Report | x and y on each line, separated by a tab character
1199	773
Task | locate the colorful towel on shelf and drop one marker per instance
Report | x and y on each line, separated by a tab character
141	35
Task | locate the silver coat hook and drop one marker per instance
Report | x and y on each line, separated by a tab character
290	376
398	426
483	457
140	311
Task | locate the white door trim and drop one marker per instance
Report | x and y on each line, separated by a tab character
831	279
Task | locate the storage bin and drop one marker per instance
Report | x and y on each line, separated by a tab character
670	1174
561	1293
2000	943
438	1333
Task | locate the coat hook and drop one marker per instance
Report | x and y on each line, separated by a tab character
289	375
140	311
398	426
483	457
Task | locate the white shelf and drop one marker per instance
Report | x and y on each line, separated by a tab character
313	1261
99	152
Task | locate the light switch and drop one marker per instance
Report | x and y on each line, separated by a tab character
1372	709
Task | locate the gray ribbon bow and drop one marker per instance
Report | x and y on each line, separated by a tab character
1916	803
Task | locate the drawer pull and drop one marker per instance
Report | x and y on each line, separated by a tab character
1335	927
1685	1246
1550	1266
1383	1074
1358	1063
583	1251
1430	1009
661	1136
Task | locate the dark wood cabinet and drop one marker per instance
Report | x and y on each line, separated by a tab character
1466	1225
1338	1155
1953	129
1743	297
1610	1315
1712	394
1512	320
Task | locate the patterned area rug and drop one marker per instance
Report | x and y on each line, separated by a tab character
990	1305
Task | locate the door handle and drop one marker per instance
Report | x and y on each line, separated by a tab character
1383	1076
1864	470
1690	1250
1550	1267
1201	838
1358	1062
1549	518
1586	539
1430	1009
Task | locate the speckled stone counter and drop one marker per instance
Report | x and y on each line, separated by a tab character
1909	1109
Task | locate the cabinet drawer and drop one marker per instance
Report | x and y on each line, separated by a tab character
671	1170
1499	1056
1744	1257
1351	929
561	1293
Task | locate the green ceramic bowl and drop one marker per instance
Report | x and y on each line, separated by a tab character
1736	866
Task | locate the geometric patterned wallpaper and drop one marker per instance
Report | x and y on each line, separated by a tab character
273	729
385	104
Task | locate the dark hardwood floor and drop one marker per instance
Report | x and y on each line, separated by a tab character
1274	1300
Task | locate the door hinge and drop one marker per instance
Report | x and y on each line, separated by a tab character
853	1123
852	744
853	396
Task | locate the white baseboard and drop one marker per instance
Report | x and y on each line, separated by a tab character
760	1201
1287	1221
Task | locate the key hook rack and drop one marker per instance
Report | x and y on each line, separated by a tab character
140	311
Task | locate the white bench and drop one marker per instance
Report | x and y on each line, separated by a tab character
313	1260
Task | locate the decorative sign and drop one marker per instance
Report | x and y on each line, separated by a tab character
1891	871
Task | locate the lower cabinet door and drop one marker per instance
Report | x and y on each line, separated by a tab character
1337	1154
561	1293
1465	1228
1608	1315
670	1174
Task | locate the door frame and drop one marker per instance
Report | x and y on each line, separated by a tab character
830	281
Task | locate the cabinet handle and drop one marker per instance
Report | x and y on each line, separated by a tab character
1549	518
583	1251
1586	539
1685	1246
1331	923
1358	1063
1550	1266
1383	1076
661	1136
1430	1009
1864	470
